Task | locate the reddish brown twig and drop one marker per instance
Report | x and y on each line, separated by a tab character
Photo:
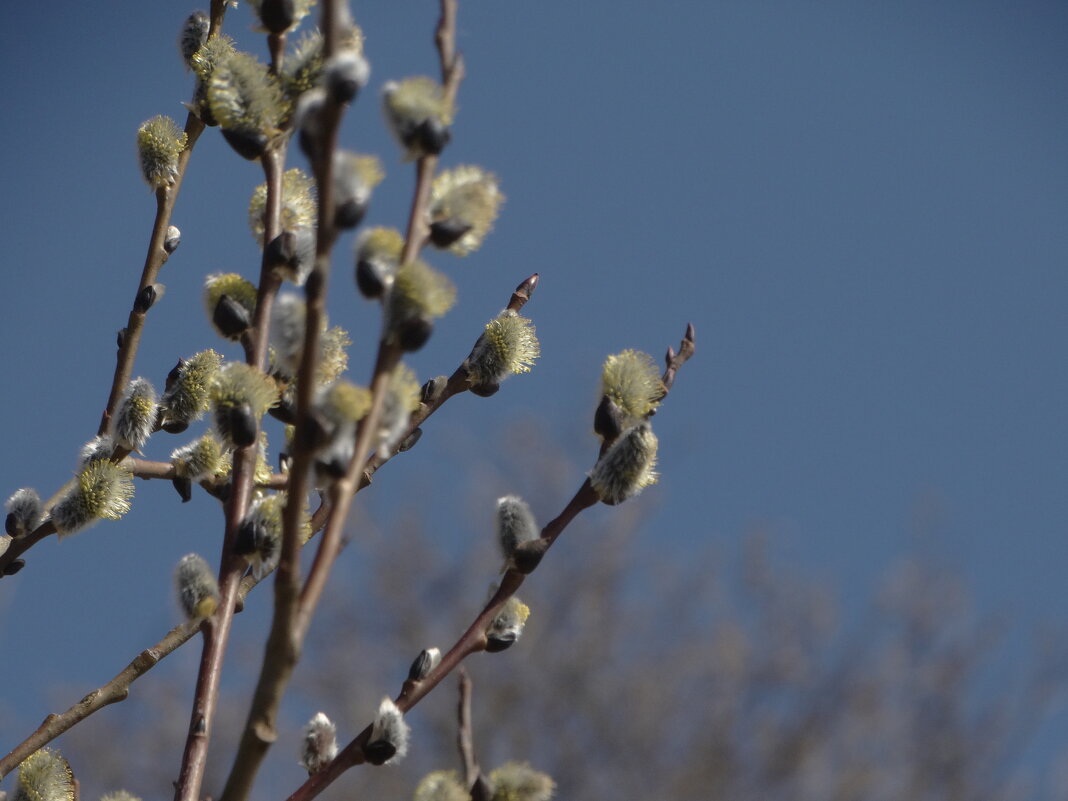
231	567
130	336
471	641
474	638
465	738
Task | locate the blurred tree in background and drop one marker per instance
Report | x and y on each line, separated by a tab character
730	677
719	678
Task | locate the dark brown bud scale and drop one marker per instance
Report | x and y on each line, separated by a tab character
445	233
379	752
184	487
368	280
277	16
230	317
247	144
413	333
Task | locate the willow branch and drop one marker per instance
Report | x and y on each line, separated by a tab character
285	639
155	258
471	641
465	739
456	384
474	638
130	337
115	690
164	470
452	73
231	567
149	470
118	689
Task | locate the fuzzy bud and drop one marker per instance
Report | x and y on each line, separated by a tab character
389	735
308	122
332	462
508	346
101	490
246	100
378	252
428	659
342	405
302	70
193	35
198	590
507	626
135	417
319	746
24	512
419	115
333	355
259	538
99	448
517	781
240	395
515	524
292	254
201	459
419	295
231	303
286	334
627	466
186	397
354	178
402	398
464	203
441	785
44	776
172	239
346	74
120	795
159	141
204	61
299	206
632	381
338	409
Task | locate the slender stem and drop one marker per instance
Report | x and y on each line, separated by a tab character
342	491
155	258
292	617
130	338
147	469
284	641
115	690
472	640
231	567
465	739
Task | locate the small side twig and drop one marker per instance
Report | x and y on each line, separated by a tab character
112	692
474	638
452	73
471	641
164	470
674	361
464	735
148	470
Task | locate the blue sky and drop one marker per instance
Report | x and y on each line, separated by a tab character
860	206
